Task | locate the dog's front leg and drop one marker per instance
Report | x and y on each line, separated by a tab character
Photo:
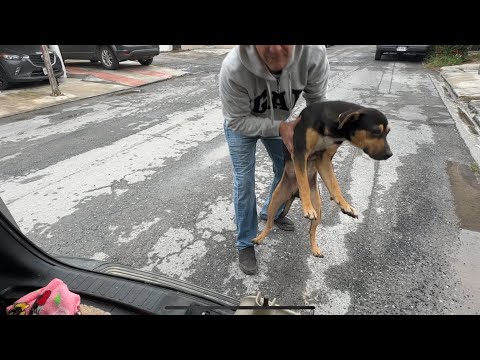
317	203
325	169
300	165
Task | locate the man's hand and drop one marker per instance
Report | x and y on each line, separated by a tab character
286	132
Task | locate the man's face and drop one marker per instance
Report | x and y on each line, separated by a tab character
276	57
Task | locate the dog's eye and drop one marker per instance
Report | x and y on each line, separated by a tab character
376	131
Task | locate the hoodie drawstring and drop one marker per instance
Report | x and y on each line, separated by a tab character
289	97
290	102
269	91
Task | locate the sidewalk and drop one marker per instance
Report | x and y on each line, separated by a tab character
84	80
463	86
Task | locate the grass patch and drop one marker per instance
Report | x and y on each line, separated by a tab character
449	55
436	61
475	168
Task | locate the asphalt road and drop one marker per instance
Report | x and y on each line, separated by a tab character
144	178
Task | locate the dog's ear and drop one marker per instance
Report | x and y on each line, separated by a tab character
346	117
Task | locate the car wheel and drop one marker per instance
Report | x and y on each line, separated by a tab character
108	59
378	55
4	84
146	62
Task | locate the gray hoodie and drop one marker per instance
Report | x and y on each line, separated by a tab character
254	101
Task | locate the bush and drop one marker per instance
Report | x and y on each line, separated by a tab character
448	55
460	51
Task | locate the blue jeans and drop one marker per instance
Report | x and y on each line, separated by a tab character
242	152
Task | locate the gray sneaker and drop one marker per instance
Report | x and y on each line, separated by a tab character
247	260
283	223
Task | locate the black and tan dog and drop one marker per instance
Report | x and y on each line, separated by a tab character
320	132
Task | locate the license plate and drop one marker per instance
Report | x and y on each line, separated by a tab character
45	72
401	48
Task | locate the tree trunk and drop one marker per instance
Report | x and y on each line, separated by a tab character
51	76
56	49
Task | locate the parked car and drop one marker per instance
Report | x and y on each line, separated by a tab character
24	63
419	50
111	55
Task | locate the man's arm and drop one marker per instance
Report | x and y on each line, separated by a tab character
236	110
315	91
297	109
286	132
317	83
316	88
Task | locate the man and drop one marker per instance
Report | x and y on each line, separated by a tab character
259	89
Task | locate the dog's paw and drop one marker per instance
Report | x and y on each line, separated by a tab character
258	240
310	213
350	211
317	252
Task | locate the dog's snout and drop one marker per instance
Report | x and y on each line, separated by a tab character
388	154
381	156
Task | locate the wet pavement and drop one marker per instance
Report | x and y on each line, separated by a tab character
143	177
465	183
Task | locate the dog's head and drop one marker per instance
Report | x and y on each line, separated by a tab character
367	129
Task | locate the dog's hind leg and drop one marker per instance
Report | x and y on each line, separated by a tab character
325	169
286	209
317	204
282	193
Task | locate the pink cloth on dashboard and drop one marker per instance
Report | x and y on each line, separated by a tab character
53	299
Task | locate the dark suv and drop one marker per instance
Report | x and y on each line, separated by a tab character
110	55
419	50
24	63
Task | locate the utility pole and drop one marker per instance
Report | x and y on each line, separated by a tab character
51	76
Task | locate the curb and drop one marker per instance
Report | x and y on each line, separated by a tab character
89	79
474	109
62	103
467	112
473	126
